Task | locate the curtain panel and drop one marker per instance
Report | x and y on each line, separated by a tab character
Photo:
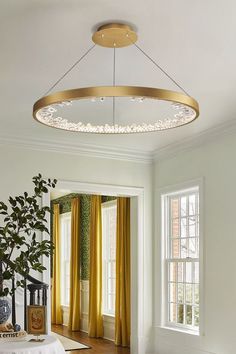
95	323
122	308
74	308
56	313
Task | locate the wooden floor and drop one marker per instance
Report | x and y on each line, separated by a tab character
98	346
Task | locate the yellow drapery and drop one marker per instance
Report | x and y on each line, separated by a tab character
74	309
56	280
122	311
95	323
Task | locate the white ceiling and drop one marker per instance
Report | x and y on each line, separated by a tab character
193	40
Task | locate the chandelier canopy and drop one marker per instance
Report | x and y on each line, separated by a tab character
183	108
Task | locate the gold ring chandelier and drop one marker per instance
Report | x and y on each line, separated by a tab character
185	108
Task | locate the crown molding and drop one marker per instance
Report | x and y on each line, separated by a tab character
195	140
82	149
122	154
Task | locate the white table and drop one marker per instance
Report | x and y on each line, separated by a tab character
51	345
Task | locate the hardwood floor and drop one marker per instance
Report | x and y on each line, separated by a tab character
98	346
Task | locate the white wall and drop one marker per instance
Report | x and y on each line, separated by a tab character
19	165
216	163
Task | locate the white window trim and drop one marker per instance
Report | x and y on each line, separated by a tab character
106	313
63	217
160	291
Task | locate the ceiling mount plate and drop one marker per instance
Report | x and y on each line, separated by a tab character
115	35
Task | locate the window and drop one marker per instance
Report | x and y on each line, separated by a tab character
65	227
109	211
181	258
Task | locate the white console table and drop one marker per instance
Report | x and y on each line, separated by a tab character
51	345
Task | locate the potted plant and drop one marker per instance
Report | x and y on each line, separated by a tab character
21	248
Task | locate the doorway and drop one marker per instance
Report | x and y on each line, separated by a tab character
137	243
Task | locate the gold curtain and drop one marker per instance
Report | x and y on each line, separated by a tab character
56	280
95	325
74	309
122	311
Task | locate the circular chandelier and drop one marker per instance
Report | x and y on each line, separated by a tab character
184	108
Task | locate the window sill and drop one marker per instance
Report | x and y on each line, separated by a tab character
180	330
108	314
65	307
108	317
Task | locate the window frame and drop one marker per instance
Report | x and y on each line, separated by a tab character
105	310
63	217
166	194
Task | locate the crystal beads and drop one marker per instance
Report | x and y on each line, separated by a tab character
47	115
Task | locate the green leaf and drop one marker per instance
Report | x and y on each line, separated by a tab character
3	206
12	201
25	217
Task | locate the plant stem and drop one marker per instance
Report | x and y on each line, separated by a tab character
1	278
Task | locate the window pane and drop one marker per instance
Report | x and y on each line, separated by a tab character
180	293
111	286
175	208
183	206
183	227
183	248
193	247
110	302
197	226
172	292
189	293
175	248
67	268
180	272
197	204
196	272
192	204
192	222
175	228
111	269
112	252
172	312
180	313
196	316
172	271
193	226
188	272
189	314
67	285
196	294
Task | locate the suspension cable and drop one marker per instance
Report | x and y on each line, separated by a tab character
69	70
160	68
